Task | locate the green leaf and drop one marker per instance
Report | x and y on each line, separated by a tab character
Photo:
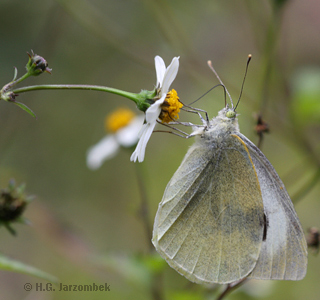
25	108
9	264
15	74
9	228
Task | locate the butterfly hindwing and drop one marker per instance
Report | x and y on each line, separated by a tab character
284	250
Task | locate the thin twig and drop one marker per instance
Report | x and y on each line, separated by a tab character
231	287
306	188
144	207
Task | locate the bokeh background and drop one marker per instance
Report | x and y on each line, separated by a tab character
85	225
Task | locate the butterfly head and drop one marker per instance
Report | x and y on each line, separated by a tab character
231	113
227	114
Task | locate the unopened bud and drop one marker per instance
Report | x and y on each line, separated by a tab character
13	202
37	65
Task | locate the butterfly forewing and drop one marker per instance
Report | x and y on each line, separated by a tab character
284	251
209	225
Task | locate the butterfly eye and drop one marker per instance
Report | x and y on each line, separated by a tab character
230	114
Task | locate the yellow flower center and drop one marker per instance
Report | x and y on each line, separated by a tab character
118	119
170	108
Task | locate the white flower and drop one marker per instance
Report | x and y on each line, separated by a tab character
165	77
109	146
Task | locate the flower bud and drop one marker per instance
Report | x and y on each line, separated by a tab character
37	65
13	203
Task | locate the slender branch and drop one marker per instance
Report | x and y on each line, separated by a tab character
131	96
156	287
230	287
307	187
144	205
14	82
25	76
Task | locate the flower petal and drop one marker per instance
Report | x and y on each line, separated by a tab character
170	75
128	136
153	112
140	150
105	149
160	69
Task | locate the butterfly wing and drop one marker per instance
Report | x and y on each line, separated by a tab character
284	250
209	224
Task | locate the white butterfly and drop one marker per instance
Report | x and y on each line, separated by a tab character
226	215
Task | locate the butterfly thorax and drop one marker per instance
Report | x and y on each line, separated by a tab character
219	129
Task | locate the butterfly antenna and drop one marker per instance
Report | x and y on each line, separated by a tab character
224	88
215	73
244	79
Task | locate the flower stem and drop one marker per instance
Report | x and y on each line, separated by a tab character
144	204
25	76
230	287
131	96
14	82
306	188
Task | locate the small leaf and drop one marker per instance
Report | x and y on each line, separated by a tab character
11	185
15	74
25	108
8	264
21	189
9	228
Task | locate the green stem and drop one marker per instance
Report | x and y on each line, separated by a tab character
306	188
25	76
132	96
144	204
15	82
230	287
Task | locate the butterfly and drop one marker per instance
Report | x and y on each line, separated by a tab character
225	214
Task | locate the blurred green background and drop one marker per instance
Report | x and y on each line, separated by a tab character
85	225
